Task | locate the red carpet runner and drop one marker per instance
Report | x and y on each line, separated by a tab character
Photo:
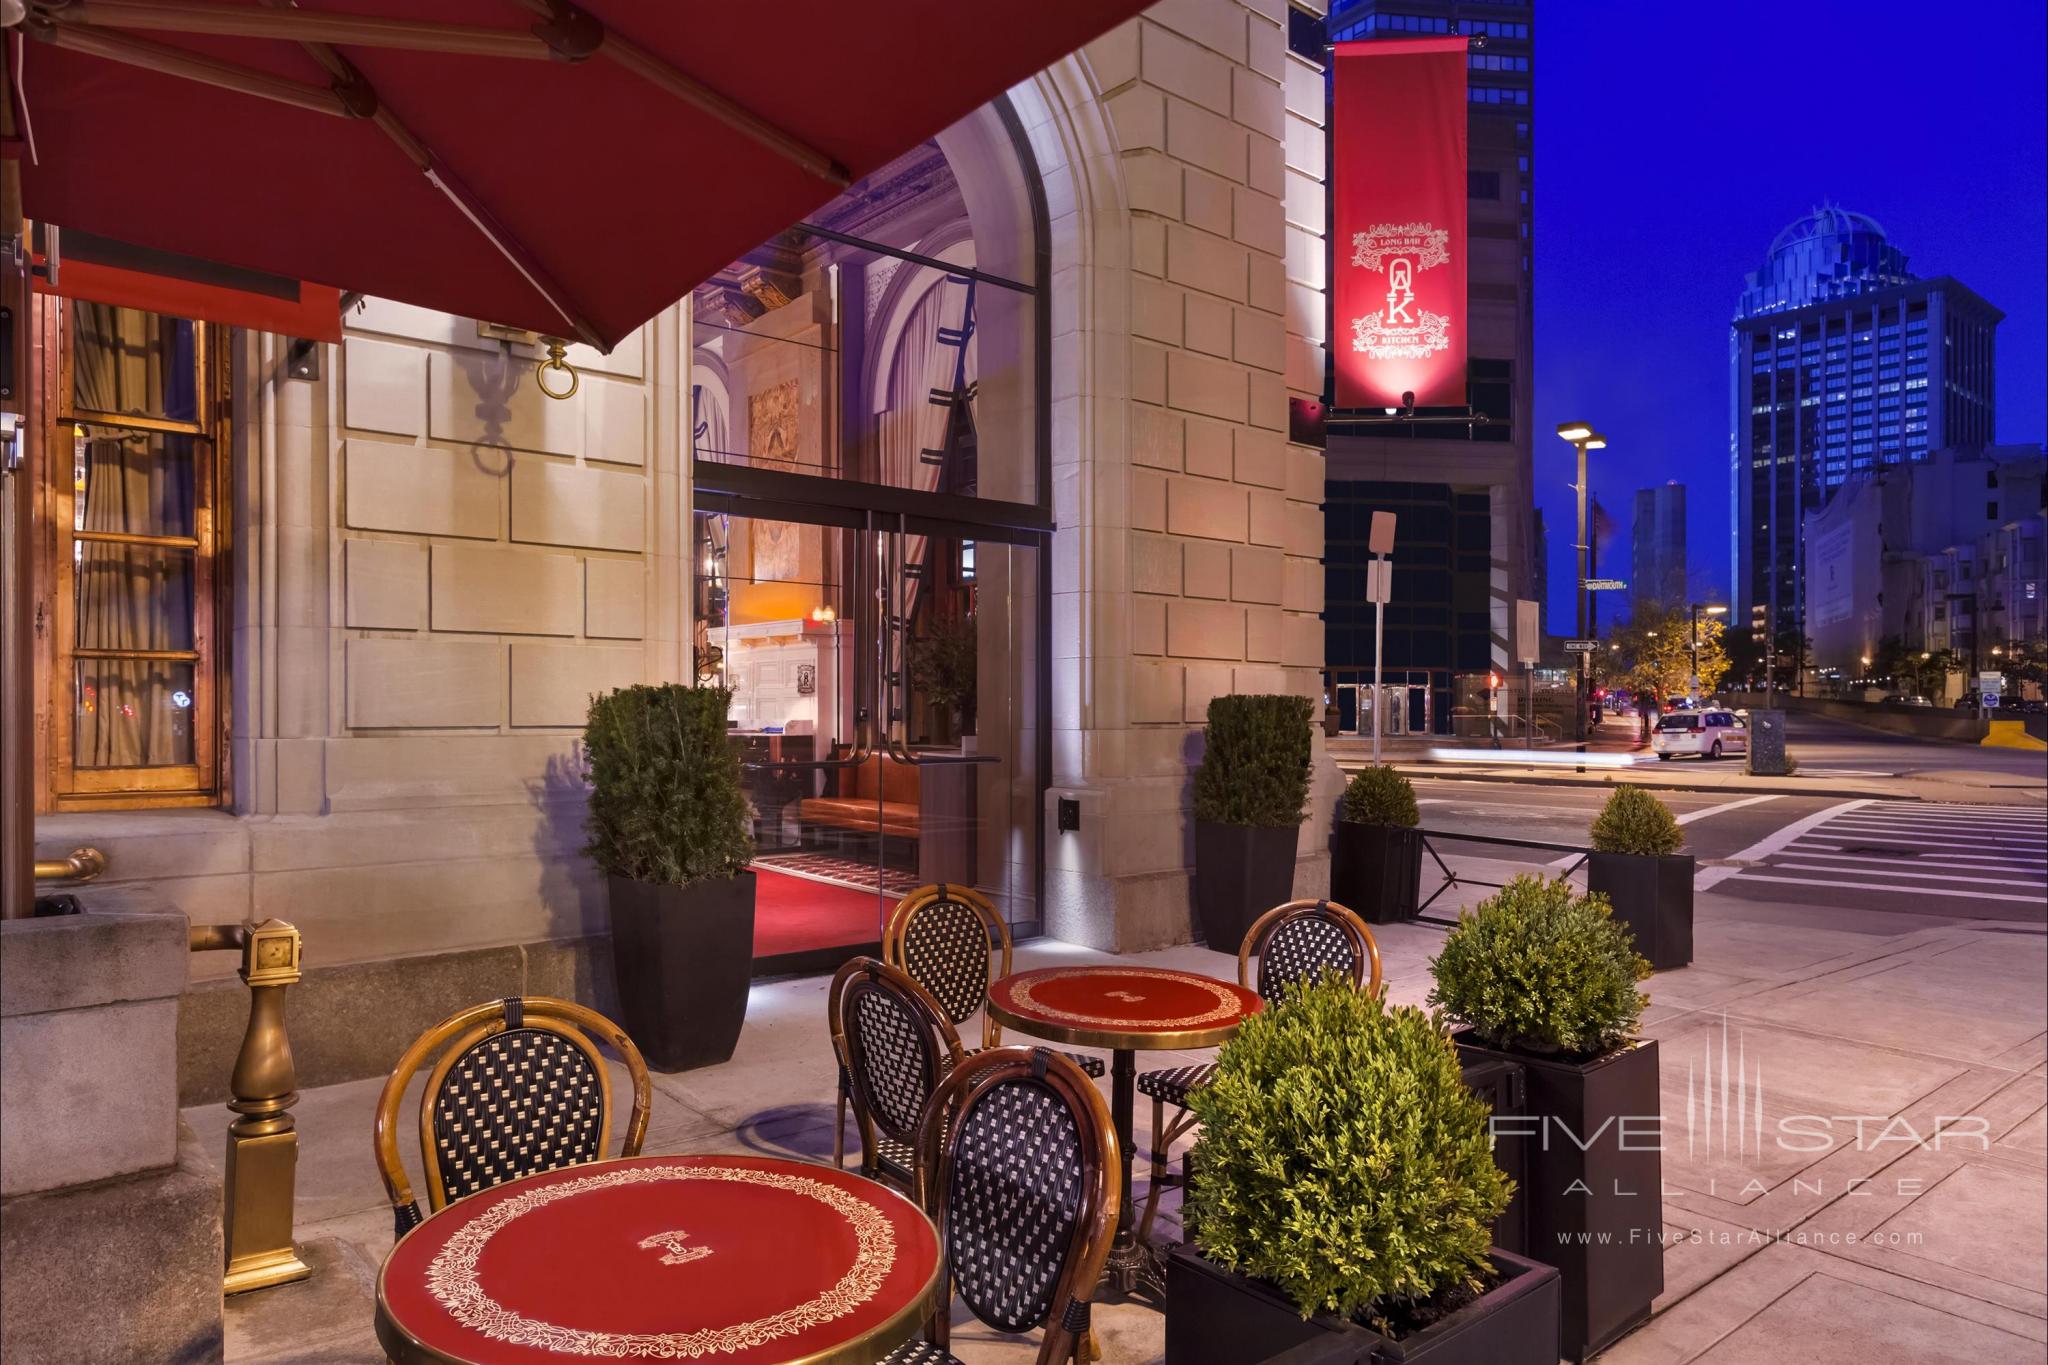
796	914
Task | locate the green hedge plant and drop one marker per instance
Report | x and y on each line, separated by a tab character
1381	796
1634	821
666	805
1343	1159
1543	968
1255	762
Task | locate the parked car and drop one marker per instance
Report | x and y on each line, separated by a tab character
1906	699
1704	734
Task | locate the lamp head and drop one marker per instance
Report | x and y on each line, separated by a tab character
1574	431
1717	611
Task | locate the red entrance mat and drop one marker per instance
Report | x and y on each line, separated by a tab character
735	1259
1128	999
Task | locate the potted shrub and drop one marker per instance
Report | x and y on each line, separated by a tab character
668	828
1251	795
1637	865
943	667
1545	976
1344	1184
1376	856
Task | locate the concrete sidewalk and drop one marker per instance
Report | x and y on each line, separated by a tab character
1881	1249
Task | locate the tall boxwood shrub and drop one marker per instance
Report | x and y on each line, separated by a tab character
1342	1157
666	805
1255	764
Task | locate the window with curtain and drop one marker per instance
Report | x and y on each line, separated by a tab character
133	462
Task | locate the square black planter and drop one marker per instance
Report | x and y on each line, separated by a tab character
1241	872
1653	897
683	957
1218	1317
1503	1084
1376	870
1593	1192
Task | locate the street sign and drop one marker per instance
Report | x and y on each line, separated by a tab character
1606	584
1581	646
1988	681
1528	631
1380	539
1379	580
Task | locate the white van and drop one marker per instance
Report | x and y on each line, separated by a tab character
1705	734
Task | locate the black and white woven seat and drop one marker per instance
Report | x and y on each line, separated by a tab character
921	1353
1022	1158
519	1088
1173	1085
894	1044
1295	943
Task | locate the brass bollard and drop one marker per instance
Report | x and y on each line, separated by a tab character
263	1142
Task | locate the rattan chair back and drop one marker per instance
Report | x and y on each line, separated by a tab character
513	1087
1299	941
894	1044
1019	1167
950	940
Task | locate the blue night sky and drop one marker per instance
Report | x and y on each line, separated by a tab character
1674	141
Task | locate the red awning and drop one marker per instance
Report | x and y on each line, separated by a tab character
518	161
104	271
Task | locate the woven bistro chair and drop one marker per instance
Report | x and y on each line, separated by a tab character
519	1087
894	1046
1295	943
950	940
1019	1161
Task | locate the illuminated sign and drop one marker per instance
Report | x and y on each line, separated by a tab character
1398	203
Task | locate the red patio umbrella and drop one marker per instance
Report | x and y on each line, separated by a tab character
567	170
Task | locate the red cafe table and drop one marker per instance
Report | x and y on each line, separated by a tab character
737	1260
1123	1009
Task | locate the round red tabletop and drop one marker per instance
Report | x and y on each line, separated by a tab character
1122	1007
737	1260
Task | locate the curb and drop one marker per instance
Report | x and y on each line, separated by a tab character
1608	780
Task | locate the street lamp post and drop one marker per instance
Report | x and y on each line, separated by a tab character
1583	438
1697	608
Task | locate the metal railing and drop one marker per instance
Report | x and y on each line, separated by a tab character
263	1141
1453	878
79	865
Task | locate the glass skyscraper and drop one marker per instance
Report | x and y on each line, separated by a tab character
1840	361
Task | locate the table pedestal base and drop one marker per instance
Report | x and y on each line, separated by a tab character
1136	1271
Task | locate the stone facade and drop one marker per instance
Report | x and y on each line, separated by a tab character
1187	309
435	567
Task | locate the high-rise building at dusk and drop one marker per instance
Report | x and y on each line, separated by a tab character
1462	495
1657	544
1841	361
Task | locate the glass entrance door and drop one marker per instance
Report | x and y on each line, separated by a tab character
884	684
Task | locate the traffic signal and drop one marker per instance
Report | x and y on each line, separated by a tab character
1493	681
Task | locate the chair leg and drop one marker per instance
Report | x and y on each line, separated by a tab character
1160	1156
839	1134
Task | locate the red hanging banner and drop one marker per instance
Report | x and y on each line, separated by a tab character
1398	223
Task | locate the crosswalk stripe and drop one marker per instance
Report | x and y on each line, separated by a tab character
1956	858
2002	826
1894	832
1943	877
1880	886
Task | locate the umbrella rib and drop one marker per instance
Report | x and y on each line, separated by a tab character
348	78
624	52
176	61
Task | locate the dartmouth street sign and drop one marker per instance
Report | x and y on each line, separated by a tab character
1606	584
1581	646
